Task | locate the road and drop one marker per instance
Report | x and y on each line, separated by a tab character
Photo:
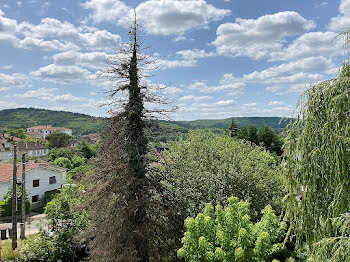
32	225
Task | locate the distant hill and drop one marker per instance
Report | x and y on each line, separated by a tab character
26	117
274	122
85	124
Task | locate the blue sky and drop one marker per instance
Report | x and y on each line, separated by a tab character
220	58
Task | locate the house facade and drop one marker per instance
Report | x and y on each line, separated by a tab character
29	148
39	179
43	131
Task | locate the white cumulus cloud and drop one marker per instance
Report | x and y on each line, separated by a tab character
257	38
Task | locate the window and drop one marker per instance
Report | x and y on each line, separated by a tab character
36	183
52	180
35	198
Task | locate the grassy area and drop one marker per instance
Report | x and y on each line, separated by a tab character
7	254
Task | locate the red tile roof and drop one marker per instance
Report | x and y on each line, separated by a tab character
6	170
52	128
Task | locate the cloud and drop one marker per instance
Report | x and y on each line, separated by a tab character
175	17
302	70
276	103
106	10
171	90
62	74
310	44
257	38
250	104
195	98
228	84
189	59
8	28
48	94
95	60
9	104
51	34
69	36
342	21
15	80
7	67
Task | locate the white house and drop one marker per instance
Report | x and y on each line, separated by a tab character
28	148
40	178
43	131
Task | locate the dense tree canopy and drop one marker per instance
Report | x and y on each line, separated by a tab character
58	139
208	168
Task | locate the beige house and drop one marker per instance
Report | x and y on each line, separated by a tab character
43	131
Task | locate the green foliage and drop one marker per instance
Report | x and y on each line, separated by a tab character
65	222
63	162
319	166
83	124
55	153
58	139
65	157
208	168
233	128
83	169
228	234
87	150
6	208
265	137
6	204
78	161
269	139
19	132
252	133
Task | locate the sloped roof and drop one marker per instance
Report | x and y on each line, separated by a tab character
51	128
6	170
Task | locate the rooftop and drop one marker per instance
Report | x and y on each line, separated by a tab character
6	170
51	128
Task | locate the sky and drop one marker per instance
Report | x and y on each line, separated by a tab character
219	58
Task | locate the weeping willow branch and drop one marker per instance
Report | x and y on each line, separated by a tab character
319	164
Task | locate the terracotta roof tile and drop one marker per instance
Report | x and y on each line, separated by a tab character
6	170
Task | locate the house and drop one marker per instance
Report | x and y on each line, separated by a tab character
43	131
40	178
29	148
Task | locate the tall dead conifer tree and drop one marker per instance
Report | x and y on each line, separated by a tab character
126	204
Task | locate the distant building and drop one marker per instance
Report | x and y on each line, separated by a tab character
40	179
43	131
29	148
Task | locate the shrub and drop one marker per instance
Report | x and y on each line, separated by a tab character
63	162
209	168
59	152
65	222
83	169
228	234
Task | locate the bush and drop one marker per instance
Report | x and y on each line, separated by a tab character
83	169
55	153
78	161
63	162
229	235
65	222
209	168
6	208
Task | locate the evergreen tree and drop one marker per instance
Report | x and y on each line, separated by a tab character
233	128
253	134
125	205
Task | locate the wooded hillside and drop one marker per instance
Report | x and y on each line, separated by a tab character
84	124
